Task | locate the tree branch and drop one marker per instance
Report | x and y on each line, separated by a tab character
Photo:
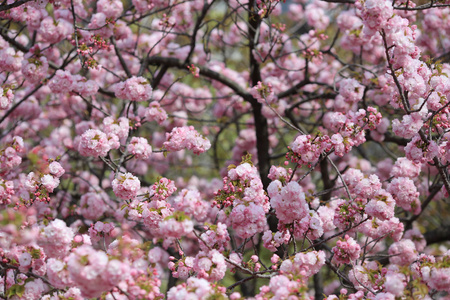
12	5
178	64
122	61
439	235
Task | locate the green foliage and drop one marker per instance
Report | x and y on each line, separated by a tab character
16	290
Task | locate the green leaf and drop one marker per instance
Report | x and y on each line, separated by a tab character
20	290
35	253
84	260
16	289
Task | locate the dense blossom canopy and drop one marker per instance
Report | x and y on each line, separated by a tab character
212	149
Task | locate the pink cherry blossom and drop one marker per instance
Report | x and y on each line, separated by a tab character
62	82
186	138
155	112
403	252
126	186
346	251
134	89
6	97
56	239
139	147
94	143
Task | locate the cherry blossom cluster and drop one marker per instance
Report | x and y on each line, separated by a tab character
349	132
196	288
281	287
134	89
64	82
433	271
139	147
6	191
288	201
10	154
244	199
155	112
210	265
56	239
321	159
100	229
273	240
192	204
163	189
126	186
40	186
405	194
306	149
182	267
93	272
6	97
263	93
215	237
94	143
187	137
303	264
346	251
92	204
10	59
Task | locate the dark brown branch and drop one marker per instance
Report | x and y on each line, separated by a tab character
422	7
439	235
75	34
178	64
389	137
12	5
106	93
328	184
318	286
160	75
320	242
121	60
205	9
293	90
261	126
13	42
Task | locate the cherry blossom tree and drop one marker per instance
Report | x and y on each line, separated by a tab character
211	149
